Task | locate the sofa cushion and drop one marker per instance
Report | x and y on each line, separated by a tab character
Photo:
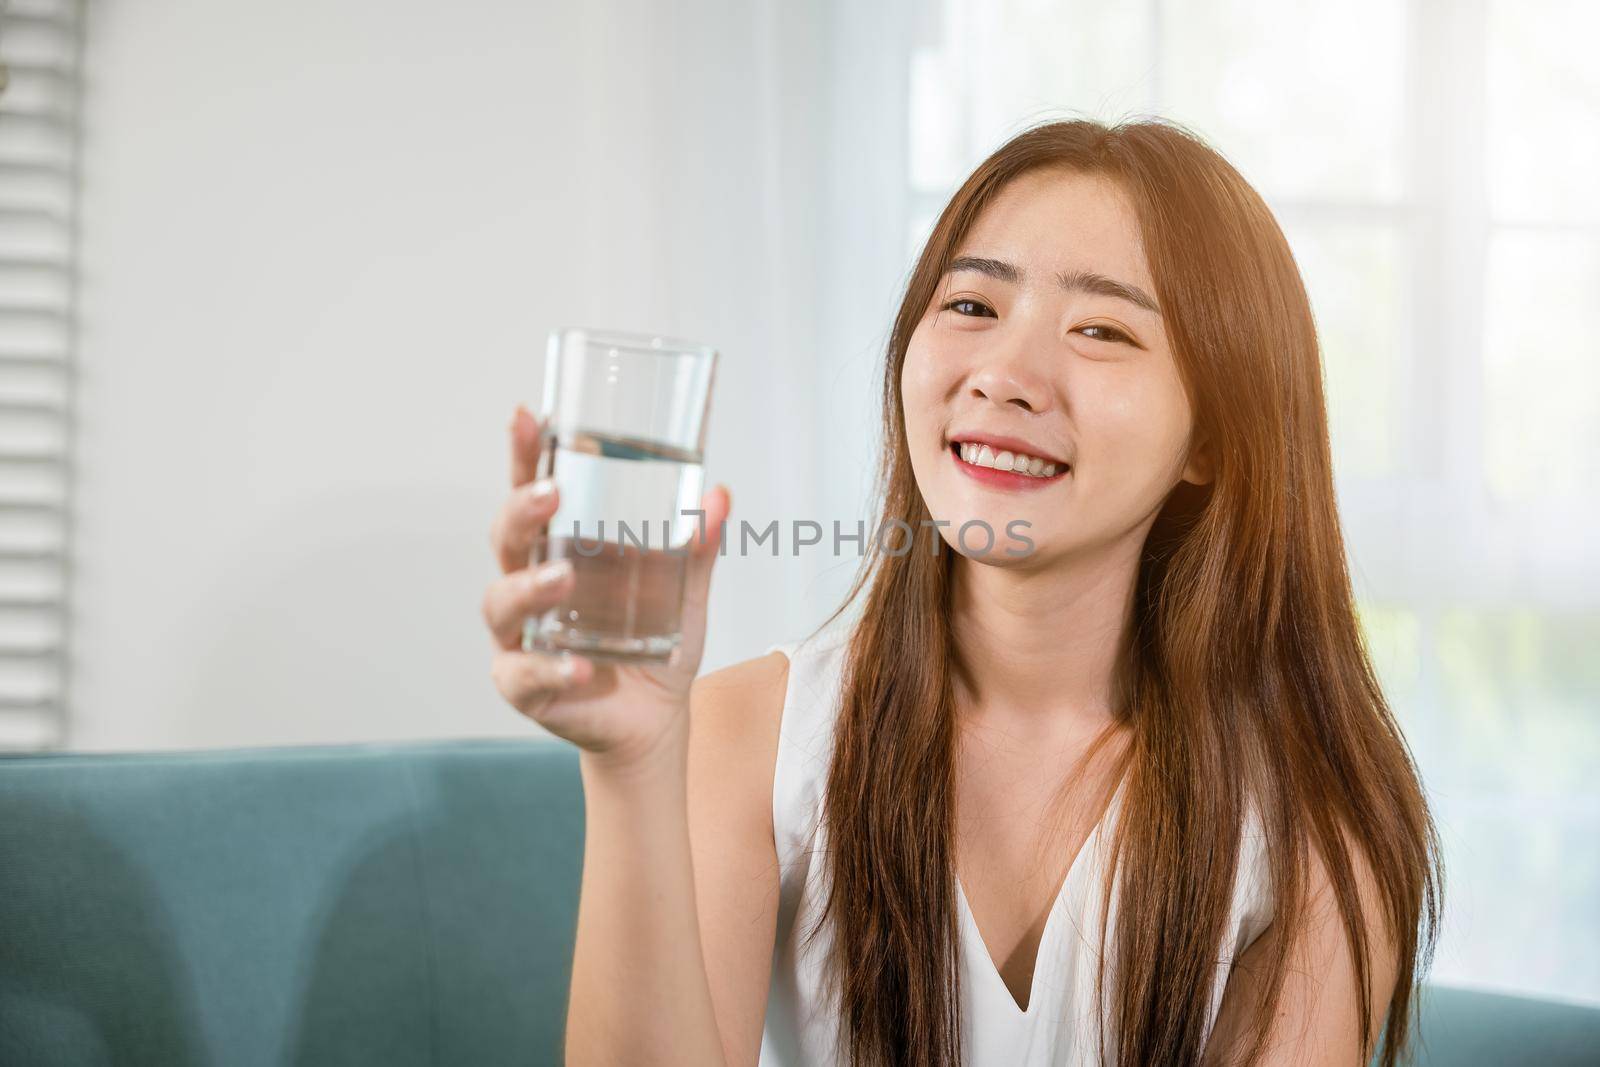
394	904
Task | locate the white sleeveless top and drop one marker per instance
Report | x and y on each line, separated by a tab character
1060	1025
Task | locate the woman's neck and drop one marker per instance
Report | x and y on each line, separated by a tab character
1037	650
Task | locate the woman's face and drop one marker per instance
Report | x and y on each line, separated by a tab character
1043	339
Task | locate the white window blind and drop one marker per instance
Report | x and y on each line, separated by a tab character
40	52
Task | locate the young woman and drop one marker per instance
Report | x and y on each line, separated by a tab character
1133	796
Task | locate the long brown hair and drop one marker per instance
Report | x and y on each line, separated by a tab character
1246	679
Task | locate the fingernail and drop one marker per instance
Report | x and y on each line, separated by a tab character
568	667
541	491
552	572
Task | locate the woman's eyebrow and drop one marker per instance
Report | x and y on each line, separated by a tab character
1084	281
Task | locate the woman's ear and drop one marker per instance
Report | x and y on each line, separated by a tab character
1200	469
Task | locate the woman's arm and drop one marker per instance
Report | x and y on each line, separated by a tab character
733	749
639	993
680	887
1317	1021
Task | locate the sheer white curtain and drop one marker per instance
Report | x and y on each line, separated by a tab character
1433	164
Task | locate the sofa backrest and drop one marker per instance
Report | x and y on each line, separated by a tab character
385	904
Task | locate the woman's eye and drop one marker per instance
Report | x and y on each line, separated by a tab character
1111	334
962	305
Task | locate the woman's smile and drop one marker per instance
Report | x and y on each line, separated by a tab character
1002	463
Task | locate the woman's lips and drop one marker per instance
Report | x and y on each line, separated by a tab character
1001	479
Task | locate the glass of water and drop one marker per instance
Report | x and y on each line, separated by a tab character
624	426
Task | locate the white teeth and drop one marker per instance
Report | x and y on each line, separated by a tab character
983	456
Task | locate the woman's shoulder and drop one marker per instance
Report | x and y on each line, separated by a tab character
734	714
736	710
761	725
755	677
742	708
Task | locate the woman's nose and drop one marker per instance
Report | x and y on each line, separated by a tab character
1005	377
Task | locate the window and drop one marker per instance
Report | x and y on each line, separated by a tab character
1432	166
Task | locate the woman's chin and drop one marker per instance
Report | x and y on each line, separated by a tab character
984	540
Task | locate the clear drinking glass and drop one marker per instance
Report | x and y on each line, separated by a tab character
624	438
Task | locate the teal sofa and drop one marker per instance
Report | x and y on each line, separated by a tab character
393	905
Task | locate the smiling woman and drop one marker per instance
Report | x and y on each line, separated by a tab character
1064	360
1160	726
1131	796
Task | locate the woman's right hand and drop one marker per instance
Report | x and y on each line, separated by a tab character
620	715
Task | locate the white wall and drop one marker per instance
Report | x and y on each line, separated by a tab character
322	246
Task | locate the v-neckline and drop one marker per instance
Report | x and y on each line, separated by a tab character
982	947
